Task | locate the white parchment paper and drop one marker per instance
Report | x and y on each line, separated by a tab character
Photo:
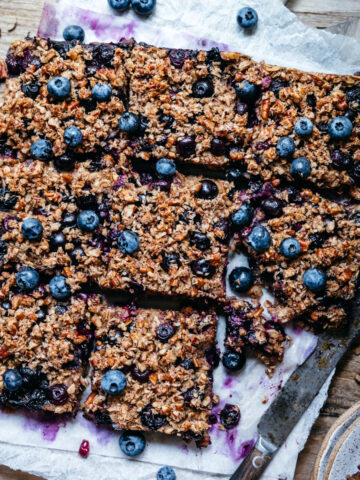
50	448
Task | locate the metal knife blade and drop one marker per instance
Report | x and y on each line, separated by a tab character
295	397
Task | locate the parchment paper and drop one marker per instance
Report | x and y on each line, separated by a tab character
50	448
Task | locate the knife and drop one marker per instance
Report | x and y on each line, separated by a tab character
294	398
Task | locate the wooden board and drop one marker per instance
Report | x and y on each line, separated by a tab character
344	391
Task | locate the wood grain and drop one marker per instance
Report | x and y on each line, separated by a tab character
344	391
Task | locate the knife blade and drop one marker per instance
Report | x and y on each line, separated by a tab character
295	397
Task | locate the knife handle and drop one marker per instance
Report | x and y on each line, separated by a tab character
256	462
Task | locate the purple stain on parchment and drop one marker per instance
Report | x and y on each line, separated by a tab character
237	452
49	25
49	428
102	434
184	448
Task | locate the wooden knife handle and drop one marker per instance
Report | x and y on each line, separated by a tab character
256	462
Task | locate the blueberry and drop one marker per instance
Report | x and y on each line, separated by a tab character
73	32
178	56
315	280
3	248
170	259
165	331
41	314
101	92
356	173
290	248
166	121
41	149
187	364
285	147
241	279
31	90
304	127
119	5
75	254
186	147
12	380
272	206
341	160
59	87
132	443
247	92
300	168
88	220
73	136
103	54
165	168
218	147
58	394
59	289
340	128
259	239
57	240
199	240
230	416
233	360
203	268
203	88
69	220
166	473
140	376
32	229
129	123
128	242
113	382
65	162
247	18
27	279
143	7
151	420
237	176
208	190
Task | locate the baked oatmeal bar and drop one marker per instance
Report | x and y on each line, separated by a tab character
54	86
247	328
44	347
158	362
306	249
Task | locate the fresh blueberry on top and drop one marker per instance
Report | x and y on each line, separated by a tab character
304	127
218	147
208	190
41	149
65	162
259	239
230	416
73	136
272	206
128	242
241	279
88	220
59	87
59	289
73	32
12	380
290	248
57	240
300	168
165	168
143	7
32	228
233	360
132	443
31	90
203	268
186	147
246	92
315	280
113	382
199	240
58	394
27	279
129	123
285	147
340	128
119	5
203	88
101	92
165	331
247	18
166	473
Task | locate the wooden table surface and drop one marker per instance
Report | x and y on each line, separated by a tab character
345	390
